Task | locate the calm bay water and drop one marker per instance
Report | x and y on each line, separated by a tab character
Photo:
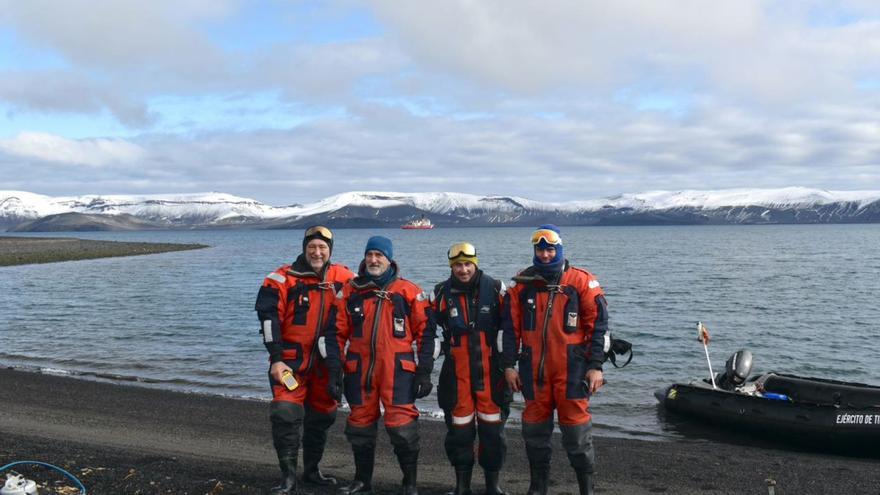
802	298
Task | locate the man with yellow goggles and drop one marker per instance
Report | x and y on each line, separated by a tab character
462	252
471	390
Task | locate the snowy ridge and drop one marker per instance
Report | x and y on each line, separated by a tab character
785	197
789	205
446	202
169	207
434	202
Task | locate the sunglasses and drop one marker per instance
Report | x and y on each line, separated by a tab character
318	229
462	249
549	236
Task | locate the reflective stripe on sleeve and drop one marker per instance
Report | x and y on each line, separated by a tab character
267	331
322	347
499	341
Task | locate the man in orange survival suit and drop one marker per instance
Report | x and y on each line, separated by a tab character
293	306
558	314
380	315
471	390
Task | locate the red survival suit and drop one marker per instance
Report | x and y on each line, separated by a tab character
561	325
471	389
293	306
380	324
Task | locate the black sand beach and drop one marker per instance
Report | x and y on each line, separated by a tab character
121	439
26	250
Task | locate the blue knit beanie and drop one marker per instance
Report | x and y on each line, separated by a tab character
556	264
381	244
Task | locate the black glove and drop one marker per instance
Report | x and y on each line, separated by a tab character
334	385
423	382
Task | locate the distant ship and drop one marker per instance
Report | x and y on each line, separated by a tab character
420	224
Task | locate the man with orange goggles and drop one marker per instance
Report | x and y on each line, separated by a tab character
293	306
554	326
471	391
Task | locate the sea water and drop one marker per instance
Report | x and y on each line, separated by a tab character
802	298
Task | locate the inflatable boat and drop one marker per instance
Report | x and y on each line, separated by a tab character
808	411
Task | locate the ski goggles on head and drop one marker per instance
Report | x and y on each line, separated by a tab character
319	230
461	249
550	237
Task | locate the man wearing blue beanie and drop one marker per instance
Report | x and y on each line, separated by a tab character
379	315
554	324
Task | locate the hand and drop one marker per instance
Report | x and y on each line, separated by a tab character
423	383
595	379
512	379
278	369
334	385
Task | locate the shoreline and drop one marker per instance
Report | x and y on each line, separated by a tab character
16	251
119	438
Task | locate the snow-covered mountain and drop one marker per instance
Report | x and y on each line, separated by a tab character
28	211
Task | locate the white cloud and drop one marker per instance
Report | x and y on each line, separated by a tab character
552	100
748	49
831	147
113	34
90	152
58	91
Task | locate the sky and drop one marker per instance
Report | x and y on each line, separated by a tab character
292	101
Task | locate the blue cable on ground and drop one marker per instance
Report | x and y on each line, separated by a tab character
50	466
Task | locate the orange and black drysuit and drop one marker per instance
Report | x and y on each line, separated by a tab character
293	305
471	390
561	326
380	324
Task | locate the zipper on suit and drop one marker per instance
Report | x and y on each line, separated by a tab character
322	287
380	296
544	336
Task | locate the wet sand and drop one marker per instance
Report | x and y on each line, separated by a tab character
27	250
121	439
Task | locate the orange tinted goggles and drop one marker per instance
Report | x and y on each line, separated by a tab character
320	230
549	236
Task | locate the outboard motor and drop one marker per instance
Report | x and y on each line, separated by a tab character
737	369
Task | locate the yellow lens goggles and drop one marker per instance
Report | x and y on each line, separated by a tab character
320	230
465	249
549	236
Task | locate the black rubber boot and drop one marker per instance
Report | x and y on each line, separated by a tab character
314	438
585	482
288	485
286	418
316	477
538	483
462	482
405	440
409	484
538	450
364	460
492	487
311	473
